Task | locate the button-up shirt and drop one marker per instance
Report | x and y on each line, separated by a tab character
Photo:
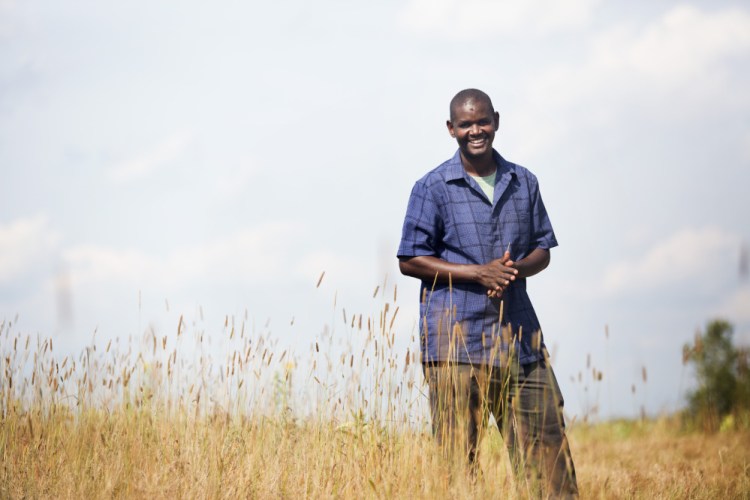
451	218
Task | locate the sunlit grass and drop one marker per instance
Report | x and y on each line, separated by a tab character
176	415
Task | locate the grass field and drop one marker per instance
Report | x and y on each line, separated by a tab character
168	417
138	454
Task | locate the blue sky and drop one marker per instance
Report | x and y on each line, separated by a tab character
160	160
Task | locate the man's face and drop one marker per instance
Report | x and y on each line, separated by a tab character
473	124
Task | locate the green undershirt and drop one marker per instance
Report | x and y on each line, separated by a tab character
487	184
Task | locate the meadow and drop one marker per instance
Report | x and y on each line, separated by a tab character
174	416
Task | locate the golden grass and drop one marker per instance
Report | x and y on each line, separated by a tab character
136	454
654	459
139	454
170	417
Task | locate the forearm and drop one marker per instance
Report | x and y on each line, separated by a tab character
537	260
427	268
494	275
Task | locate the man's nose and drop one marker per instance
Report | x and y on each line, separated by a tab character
474	130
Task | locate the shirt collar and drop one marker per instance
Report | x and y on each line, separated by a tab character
456	168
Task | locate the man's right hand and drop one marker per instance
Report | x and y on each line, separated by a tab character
497	275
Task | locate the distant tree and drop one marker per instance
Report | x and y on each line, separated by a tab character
722	374
742	400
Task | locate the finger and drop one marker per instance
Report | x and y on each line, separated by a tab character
511	269
507	277
505	268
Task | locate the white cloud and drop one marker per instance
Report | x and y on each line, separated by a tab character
736	307
685	49
233	181
248	255
6	8
24	244
145	164
338	268
686	41
686	258
93	263
492	18
679	68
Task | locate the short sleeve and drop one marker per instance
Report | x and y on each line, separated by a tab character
542	235
422	225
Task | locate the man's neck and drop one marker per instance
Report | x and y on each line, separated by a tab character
481	167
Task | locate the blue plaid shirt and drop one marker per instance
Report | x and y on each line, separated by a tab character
450	217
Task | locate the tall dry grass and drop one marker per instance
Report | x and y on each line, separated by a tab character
343	417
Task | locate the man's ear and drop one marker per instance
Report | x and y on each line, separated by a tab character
449	124
497	121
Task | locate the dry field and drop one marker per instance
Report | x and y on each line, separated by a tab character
170	416
139	454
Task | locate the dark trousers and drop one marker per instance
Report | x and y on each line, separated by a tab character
527	405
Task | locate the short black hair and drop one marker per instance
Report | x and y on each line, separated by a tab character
468	95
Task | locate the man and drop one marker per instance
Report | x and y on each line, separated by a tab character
475	230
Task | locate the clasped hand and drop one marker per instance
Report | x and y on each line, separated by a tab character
497	275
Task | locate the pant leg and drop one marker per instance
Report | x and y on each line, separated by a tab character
455	408
535	430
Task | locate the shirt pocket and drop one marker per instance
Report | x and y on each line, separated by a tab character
515	228
468	229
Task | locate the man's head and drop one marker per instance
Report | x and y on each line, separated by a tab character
473	123
466	96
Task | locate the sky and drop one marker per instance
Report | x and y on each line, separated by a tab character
211	161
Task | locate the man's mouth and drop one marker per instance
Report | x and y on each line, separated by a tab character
478	142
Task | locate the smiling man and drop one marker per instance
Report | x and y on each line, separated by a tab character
475	230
